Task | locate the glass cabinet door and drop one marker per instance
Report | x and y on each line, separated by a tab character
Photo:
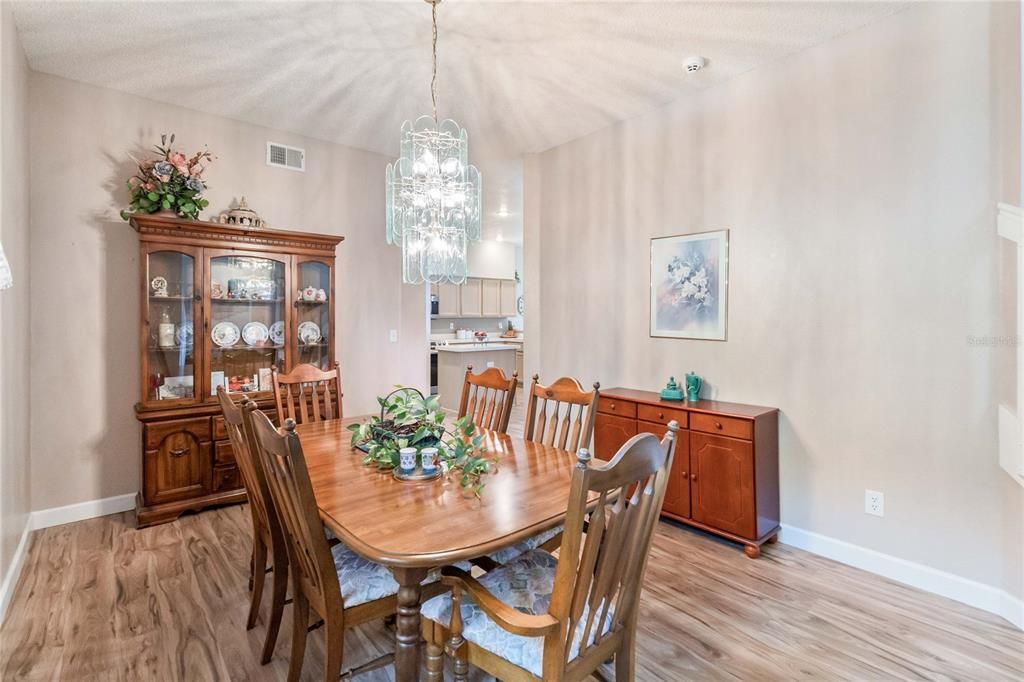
247	320
169	324
314	305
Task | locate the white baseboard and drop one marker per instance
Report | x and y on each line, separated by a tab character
10	579
44	518
923	577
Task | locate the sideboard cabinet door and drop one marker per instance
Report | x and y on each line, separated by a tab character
677	495
610	433
178	460
722	483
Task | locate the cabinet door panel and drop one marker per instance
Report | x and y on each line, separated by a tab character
508	298
178	468
491	298
470	297
448	299
722	483
677	496
610	433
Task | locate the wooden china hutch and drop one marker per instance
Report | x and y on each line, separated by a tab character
221	304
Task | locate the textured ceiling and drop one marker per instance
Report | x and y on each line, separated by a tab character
520	76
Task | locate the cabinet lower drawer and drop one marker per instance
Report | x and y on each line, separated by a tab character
725	426
226	478
223	453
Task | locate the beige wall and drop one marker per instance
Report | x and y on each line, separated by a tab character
859	181
14	302
84	359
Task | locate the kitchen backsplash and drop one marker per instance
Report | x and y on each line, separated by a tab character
491	325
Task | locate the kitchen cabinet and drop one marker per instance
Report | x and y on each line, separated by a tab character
490	305
448	296
507	306
725	473
471	298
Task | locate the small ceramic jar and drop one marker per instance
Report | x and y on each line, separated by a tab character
407	459
321	295
309	294
428	460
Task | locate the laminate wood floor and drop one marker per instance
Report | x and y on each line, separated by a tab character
99	600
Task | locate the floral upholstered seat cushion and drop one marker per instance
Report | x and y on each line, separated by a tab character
507	554
364	581
525	584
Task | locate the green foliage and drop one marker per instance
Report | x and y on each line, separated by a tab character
412	420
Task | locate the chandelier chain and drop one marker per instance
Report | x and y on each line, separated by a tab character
433	78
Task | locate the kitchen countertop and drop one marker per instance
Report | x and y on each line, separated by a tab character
476	348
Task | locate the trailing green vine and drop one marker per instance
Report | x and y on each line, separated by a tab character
408	419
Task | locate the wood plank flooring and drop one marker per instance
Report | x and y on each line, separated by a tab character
99	600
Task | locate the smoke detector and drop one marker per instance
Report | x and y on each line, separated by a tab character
694	64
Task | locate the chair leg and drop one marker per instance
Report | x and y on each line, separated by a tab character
300	621
625	657
435	653
460	666
276	607
256	579
334	638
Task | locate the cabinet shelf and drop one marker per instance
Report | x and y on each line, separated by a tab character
170	299
224	349
250	301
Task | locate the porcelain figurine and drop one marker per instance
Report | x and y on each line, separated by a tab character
321	295
309	294
693	384
671	390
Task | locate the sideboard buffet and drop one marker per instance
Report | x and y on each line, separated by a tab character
221	305
725	474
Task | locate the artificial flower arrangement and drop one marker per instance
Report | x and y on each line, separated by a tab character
408	419
170	182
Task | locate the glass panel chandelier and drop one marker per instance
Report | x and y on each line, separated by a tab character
433	195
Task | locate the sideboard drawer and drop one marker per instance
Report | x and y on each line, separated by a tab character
726	426
220	429
661	415
223	453
621	408
155	433
225	478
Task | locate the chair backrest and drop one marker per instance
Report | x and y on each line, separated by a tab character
561	414
309	555
253	477
600	571
307	394
487	398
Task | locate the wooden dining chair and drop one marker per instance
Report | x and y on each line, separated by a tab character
560	415
539	617
341	587
487	398
267	539
308	394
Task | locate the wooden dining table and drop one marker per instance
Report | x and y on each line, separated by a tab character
412	527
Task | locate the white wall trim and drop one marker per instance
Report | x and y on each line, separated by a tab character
923	577
44	518
10	580
1010	426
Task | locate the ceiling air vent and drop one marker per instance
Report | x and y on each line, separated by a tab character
283	156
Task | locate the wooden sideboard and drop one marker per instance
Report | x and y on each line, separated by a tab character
725	474
221	305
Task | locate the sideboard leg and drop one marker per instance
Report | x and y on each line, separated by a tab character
752	551
773	539
407	633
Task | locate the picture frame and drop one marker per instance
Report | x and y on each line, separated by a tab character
689	286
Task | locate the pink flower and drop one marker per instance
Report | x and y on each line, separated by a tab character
149	186
179	162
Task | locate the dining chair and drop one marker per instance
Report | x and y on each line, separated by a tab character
487	398
539	617
342	588
266	531
307	394
560	415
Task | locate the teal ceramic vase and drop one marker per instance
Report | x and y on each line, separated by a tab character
693	384
671	390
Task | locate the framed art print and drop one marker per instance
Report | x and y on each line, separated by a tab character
690	285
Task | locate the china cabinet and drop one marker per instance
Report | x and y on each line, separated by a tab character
221	305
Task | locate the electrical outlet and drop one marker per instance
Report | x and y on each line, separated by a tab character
393	336
451	326
490	363
874	503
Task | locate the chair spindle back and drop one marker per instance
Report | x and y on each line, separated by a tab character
487	398
253	477
308	394
561	414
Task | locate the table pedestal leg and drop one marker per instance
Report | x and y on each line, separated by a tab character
407	632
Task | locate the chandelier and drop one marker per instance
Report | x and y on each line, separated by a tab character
433	194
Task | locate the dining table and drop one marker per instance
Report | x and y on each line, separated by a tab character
415	526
